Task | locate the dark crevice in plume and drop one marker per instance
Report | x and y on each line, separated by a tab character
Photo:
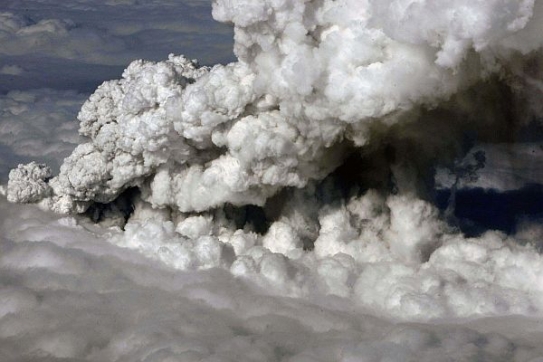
361	171
401	158
117	212
249	217
275	205
478	210
364	171
404	157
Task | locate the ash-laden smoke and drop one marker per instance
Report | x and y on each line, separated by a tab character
315	81
324	136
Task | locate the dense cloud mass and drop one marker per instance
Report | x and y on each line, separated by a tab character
292	193
312	80
66	294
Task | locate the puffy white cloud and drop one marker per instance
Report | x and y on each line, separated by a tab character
29	182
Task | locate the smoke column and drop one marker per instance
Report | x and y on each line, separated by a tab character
309	164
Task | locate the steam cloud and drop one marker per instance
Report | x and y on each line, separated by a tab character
312	79
308	165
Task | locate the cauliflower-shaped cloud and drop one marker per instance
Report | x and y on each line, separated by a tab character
28	183
313	82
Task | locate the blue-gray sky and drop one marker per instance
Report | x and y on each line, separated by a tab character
75	45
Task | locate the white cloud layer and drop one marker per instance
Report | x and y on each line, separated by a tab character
67	293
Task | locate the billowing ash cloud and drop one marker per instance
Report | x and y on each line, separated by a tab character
308	164
313	79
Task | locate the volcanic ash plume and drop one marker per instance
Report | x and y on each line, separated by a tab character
324	136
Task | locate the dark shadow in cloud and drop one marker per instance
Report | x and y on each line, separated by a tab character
478	210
